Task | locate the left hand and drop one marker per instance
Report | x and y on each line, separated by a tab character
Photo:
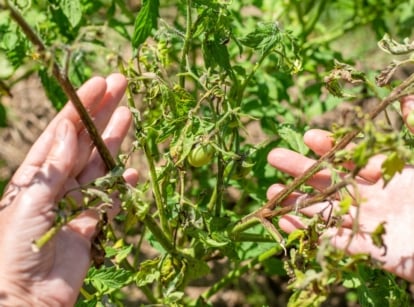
61	160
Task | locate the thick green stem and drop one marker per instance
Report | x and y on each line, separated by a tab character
156	190
243	86
308	28
219	186
158	233
186	47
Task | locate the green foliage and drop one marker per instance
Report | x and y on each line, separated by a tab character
215	74
146	21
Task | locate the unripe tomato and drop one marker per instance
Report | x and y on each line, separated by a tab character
410	119
200	155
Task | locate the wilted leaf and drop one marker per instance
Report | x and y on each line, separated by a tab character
148	272
391	165
344	205
386	74
377	235
344	72
119	253
390	46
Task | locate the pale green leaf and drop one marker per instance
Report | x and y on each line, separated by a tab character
107	280
393	164
148	272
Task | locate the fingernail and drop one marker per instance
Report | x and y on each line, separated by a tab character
62	130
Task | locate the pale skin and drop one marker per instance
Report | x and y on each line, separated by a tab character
61	160
392	204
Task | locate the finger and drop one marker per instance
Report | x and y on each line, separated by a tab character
91	93
289	223
51	175
320	142
295	164
85	223
407	106
113	136
116	85
325	209
274	189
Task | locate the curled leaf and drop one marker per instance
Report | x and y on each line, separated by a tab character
393	164
345	72
390	46
377	236
386	74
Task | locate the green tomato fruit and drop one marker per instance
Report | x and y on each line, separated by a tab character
410	119
200	155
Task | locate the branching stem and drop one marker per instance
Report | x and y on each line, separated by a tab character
67	87
267	211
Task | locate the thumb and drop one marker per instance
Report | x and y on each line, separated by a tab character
407	110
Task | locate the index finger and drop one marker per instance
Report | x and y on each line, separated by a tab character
91	93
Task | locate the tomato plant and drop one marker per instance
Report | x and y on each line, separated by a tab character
247	76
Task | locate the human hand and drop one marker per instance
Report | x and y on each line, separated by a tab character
392	204
61	160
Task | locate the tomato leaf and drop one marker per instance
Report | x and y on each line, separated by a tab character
293	138
107	280
148	272
72	10
145	22
53	90
392	164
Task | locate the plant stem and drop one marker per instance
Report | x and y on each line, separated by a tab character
253	237
243	86
149	295
314	19
187	39
86	294
67	87
158	233
156	190
219	185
